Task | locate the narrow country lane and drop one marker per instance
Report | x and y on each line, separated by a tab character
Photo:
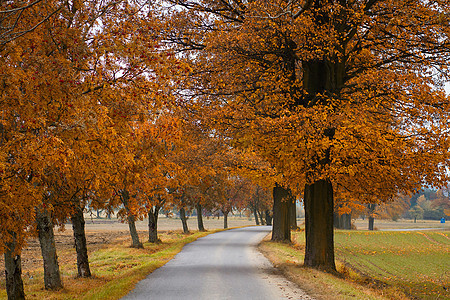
224	265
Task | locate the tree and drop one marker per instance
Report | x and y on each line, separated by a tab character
281	215
13	270
394	209
371	215
52	276
343	211
336	95
416	212
12	14
65	112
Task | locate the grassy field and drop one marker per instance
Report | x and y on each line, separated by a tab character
373	265
418	263
116	269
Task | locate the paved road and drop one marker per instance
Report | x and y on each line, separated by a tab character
224	265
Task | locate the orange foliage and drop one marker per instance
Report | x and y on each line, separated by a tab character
377	126
85	100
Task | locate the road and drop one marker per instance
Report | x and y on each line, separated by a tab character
224	265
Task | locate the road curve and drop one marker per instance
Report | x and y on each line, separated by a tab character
223	265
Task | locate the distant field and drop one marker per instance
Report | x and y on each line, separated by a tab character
164	223
415	262
401	224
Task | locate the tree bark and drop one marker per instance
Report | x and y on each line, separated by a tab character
201	227
256	215
343	221
52	277
135	243
225	219
281	230
79	235
268	217
13	271
184	220
371	218
371	222
261	220
293	214
153	224
319	252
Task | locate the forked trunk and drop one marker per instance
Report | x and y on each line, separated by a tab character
198	207
281	231
52	277
153	224
13	271
256	216
261	220
293	214
319	252
135	243
184	220
79	235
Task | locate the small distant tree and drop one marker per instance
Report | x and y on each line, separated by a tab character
416	212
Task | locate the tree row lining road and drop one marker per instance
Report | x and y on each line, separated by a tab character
224	265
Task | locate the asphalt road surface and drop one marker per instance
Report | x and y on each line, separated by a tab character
224	265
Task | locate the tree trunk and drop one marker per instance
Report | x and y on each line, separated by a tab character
13	271
347	221
281	230
79	235
319	252
343	221
371	222
293	214
268	218
153	224
256	215
52	277
198	207
261	220
225	219
135	243
184	220
371	218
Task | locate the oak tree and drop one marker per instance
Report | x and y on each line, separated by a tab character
336	95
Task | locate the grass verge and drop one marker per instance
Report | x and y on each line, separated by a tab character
116	269
372	265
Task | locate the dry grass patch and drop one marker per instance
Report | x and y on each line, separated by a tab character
116	268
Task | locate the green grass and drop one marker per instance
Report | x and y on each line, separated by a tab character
116	269
418	263
397	264
320	285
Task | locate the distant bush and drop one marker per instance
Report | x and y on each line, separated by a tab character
433	214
